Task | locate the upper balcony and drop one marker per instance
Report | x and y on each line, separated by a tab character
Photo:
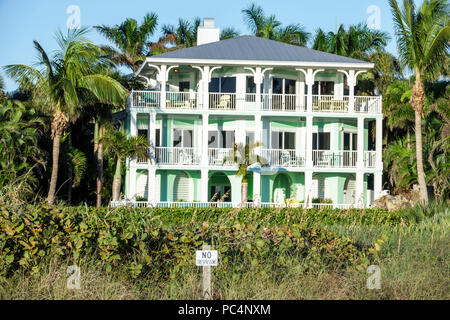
248	102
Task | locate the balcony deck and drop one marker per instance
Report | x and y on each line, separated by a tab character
272	158
248	102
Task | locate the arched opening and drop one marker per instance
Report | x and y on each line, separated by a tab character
350	189
219	188
182	187
281	188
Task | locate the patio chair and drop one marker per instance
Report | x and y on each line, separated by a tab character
224	102
185	157
285	158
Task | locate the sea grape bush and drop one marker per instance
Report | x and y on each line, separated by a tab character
141	240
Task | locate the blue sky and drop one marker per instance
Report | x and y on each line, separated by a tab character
22	21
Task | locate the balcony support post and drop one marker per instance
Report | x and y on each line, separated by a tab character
204	185
379	143
359	196
308	187
163	77
360	147
152	136
205	153
309	135
152	186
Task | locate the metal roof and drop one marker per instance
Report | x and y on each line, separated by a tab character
254	49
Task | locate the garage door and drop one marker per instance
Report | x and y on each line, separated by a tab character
182	187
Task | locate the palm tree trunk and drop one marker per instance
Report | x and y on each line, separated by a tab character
418	101
117	180
244	191
99	155
55	166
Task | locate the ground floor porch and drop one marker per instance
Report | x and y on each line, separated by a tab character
164	187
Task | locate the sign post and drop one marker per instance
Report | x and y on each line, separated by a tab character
206	258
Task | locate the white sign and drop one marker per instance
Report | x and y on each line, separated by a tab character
206	258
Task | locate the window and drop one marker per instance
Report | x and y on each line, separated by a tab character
143	132
182	138
158	138
221	139
251	86
283	140
223	84
184	86
321	141
350	141
289	86
323	88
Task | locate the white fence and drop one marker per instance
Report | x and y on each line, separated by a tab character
335	159
216	156
169	204
177	156
282	158
181	100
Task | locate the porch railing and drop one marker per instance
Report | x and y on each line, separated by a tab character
181	100
193	204
327	103
222	101
370	159
216	156
248	101
283	158
334	159
177	156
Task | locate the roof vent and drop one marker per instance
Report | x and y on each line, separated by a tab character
207	33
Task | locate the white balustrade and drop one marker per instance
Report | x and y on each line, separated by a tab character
282	158
217	156
334	159
181	100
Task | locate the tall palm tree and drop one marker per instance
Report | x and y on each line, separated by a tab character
229	33
270	28
357	42
244	157
423	42
131	40
183	35
121	147
67	84
2	84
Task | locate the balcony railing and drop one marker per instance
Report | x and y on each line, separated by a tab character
249	101
216	156
282	158
334	159
370	159
181	100
368	104
329	104
222	101
173	156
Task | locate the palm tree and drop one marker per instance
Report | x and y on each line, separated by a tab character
423	43
131	40
387	69
357	42
183	35
270	28
244	157
66	83
229	33
2	84
120	146
20	128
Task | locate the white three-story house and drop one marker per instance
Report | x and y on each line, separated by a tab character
316	134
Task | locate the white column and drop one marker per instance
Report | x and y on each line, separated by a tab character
152	186
205	123
258	80
206	79
152	135
308	186
359	196
204	186
351	82
309	83
378	184
133	124
133	177
379	143
240	131
163	81
257	187
360	148
308	149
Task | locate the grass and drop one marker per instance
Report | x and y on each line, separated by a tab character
414	262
